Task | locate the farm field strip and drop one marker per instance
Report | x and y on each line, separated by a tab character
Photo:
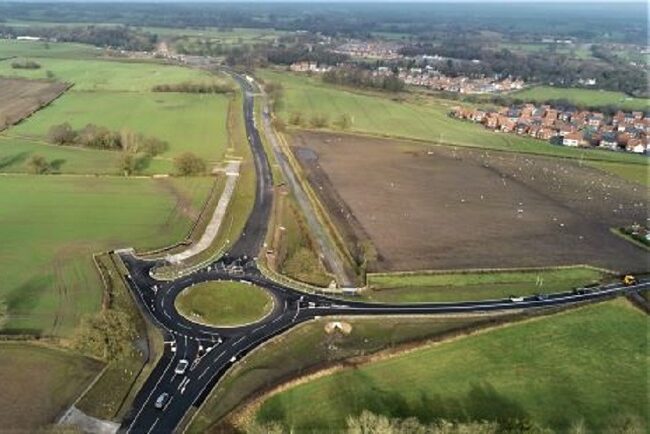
584	97
445	287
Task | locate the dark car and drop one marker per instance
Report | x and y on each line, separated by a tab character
541	297
162	399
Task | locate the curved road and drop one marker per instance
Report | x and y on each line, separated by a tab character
213	350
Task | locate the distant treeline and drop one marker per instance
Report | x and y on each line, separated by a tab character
119	37
194	88
615	22
360	78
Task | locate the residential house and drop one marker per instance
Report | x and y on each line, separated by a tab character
572	139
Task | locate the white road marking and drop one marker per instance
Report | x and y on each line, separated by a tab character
153	425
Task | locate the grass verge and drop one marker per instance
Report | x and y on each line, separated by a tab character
475	285
111	396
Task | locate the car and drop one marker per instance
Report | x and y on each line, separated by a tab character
516	299
541	297
181	367
162	399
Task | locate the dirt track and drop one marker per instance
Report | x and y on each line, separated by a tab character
445	208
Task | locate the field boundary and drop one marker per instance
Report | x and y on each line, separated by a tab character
489	270
619	232
415	140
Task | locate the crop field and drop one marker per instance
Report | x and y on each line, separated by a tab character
50	226
20	98
38	384
456	208
539	370
584	97
428	120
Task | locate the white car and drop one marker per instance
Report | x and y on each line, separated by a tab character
516	299
181	367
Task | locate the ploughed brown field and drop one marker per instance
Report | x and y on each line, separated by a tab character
436	207
20	98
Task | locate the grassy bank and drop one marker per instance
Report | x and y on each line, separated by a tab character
309	346
440	287
553	371
112	394
39	383
224	303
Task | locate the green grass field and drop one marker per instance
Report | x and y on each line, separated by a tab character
51	225
586	97
118	95
639	173
188	122
554	371
380	115
38	383
224	303
308	346
95	75
12	47
441	287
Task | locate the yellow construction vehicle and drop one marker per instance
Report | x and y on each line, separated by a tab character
629	280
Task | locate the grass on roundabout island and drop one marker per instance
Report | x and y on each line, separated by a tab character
224	303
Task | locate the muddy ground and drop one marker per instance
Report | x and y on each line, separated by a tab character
435	207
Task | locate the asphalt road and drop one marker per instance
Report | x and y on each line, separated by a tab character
211	351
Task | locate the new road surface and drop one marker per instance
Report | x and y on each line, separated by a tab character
211	351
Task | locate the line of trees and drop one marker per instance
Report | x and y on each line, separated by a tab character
120	37
370	423
194	88
25	64
97	137
361	78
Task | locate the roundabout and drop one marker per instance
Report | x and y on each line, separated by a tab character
220	303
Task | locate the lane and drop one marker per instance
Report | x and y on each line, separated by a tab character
212	351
